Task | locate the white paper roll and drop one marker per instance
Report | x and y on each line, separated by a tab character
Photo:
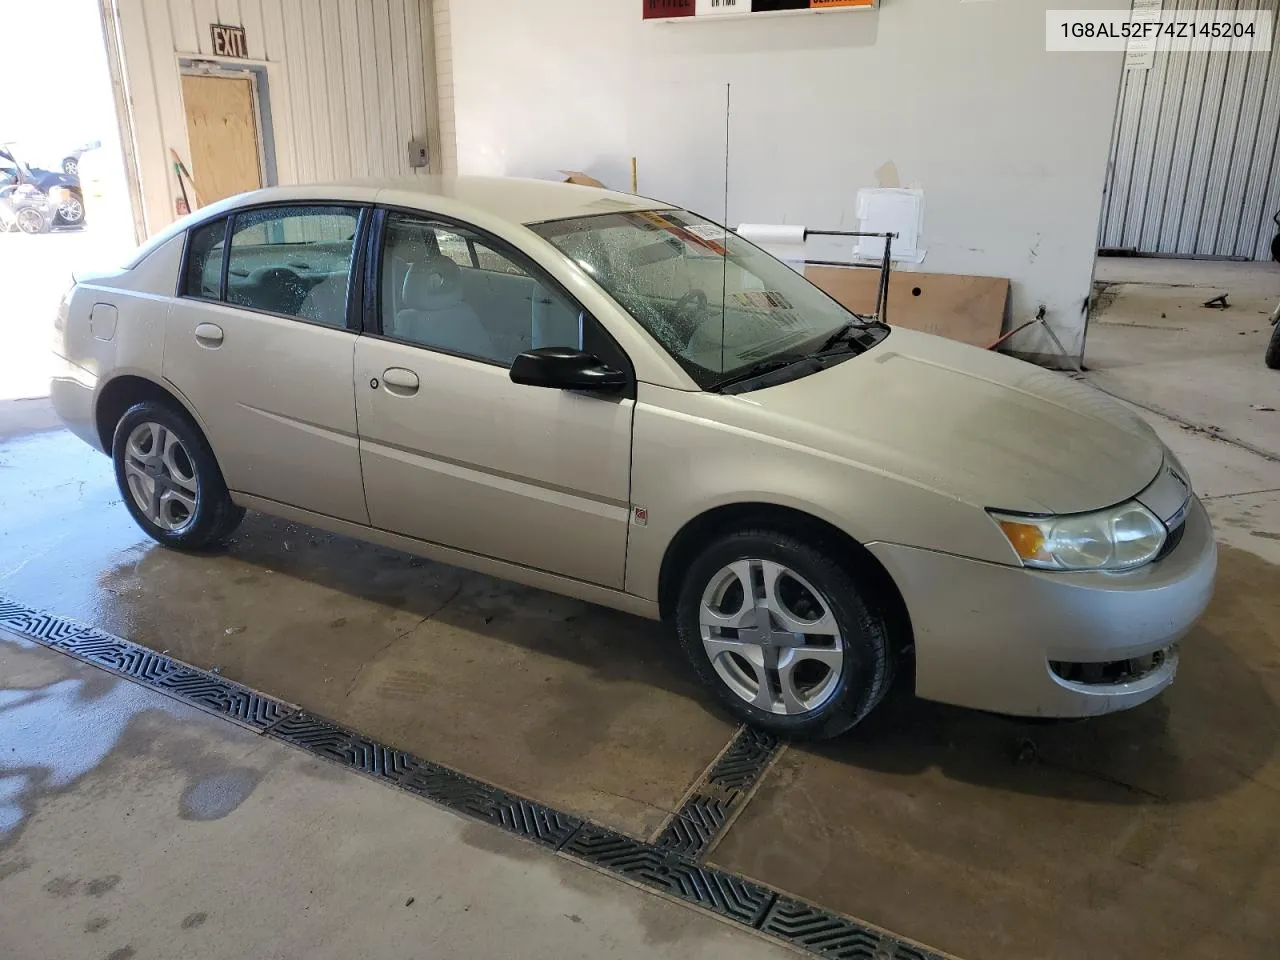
777	239
772	234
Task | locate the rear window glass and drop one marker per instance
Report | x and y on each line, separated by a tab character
294	261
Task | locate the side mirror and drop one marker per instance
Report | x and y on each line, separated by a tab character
565	368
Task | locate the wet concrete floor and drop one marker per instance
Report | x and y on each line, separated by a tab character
1143	834
1151	833
586	709
136	828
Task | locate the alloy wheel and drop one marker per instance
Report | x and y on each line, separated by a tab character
30	221
771	636
161	477
72	210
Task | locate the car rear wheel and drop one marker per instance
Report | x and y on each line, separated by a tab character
170	479
71	210
1273	349
781	633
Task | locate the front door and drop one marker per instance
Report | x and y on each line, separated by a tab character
455	453
222	130
266	360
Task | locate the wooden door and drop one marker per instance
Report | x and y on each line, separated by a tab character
223	133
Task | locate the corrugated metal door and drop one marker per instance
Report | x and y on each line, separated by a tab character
1195	167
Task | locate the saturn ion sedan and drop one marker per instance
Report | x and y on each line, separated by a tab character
612	398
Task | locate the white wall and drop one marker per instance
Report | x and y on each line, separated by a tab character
959	98
350	83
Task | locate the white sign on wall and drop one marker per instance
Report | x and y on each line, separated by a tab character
716	8
1141	54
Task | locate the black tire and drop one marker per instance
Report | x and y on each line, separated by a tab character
1273	349
71	213
31	221
868	663
215	515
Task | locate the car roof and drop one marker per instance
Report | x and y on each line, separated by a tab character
513	200
522	200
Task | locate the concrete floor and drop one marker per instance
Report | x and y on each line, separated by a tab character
1135	835
133	827
1157	344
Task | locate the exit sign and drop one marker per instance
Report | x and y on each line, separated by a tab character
228	41
705	9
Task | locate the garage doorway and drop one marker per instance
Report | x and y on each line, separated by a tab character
228	131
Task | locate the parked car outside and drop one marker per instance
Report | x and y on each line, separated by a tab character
63	192
615	399
23	207
70	163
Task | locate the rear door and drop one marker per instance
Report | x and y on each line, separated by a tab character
259	342
455	453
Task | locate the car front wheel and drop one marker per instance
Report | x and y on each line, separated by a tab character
781	632
31	221
170	479
1273	349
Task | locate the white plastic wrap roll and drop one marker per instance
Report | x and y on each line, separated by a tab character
772	234
784	241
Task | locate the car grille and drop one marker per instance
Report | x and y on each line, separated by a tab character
1175	537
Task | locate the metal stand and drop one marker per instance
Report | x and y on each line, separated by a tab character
886	264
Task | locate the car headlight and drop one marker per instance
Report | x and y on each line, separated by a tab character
1118	538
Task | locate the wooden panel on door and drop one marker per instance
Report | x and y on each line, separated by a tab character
223	134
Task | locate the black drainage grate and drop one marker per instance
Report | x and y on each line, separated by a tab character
669	865
723	893
724	788
526	818
821	932
206	691
744	761
350	749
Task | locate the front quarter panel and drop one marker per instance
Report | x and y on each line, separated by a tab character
694	452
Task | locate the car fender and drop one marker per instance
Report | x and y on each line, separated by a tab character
684	465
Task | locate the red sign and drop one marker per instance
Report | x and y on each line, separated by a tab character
661	9
664	9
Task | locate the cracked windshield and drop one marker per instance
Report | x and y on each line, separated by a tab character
722	307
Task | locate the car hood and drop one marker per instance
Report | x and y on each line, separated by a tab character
968	423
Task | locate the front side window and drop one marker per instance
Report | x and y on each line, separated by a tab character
448	288
293	261
720	306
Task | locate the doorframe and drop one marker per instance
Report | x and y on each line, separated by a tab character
256	73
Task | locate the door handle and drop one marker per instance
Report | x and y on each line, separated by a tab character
401	382
209	335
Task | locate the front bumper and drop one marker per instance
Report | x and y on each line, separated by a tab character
1006	639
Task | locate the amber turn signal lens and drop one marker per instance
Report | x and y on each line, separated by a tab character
1027	539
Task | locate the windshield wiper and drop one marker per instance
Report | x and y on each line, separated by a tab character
837	338
759	370
847	335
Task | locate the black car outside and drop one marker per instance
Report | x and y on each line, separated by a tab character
61	190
